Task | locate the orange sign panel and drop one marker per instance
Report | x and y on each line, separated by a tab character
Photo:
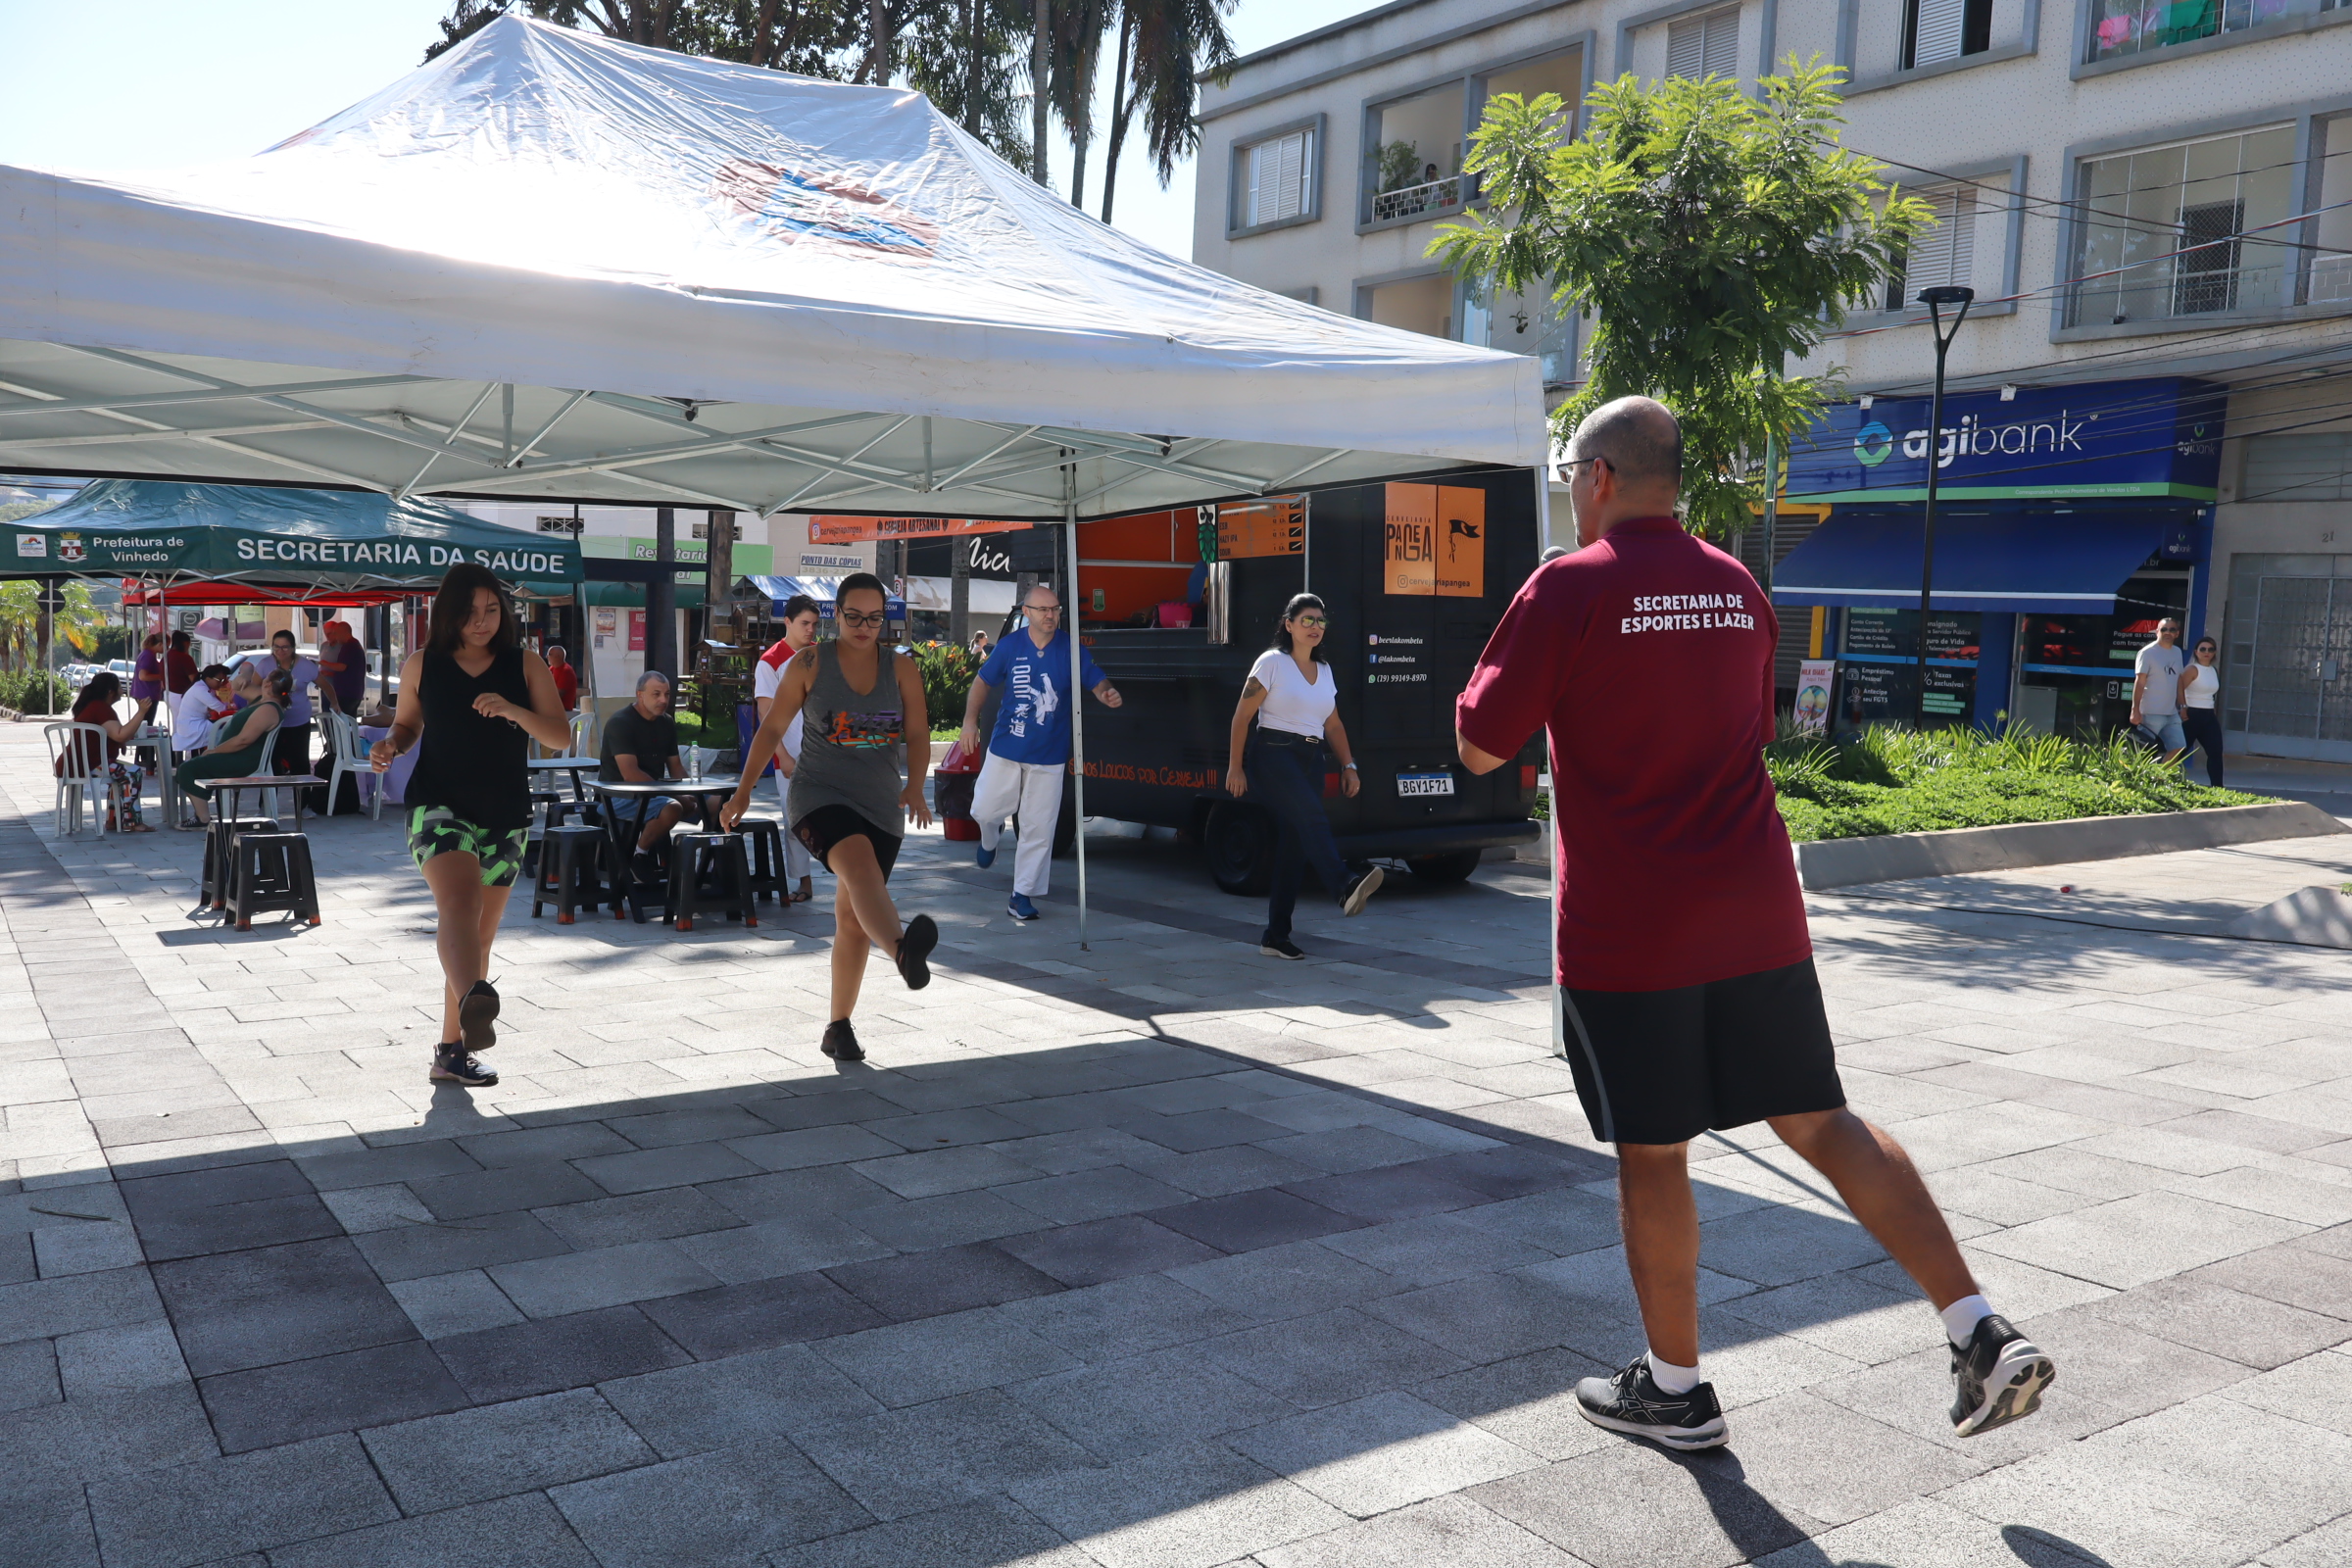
1434	542
1276	526
832	531
1409	542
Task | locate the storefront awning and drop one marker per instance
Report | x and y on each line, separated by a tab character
779	590
2046	564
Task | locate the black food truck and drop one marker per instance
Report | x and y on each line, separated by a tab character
1176	605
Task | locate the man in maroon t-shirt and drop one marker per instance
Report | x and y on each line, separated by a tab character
1685	985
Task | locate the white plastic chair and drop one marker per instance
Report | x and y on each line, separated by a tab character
583	729
71	748
349	749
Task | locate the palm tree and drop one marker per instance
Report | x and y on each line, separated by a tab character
1077	42
1164	46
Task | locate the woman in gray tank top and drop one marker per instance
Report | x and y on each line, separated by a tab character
848	803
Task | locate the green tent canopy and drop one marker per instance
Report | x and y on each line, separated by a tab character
248	534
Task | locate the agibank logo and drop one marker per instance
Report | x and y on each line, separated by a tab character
1873	444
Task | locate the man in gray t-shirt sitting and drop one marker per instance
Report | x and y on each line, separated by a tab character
2156	689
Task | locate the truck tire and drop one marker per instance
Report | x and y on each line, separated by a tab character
1240	845
1446	870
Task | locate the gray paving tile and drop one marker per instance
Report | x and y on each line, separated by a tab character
1125	1317
2296	1275
1088	1195
1220	1173
823	1110
1530	1400
1383	1452
414	1252
1662	1511
1444	1529
2321	1548
530	1145
910	1461
1346	1148
214	1508
980	1533
948	1220
51	1529
906	1363
680	1166
269	1406
788	1246
639	1217
2316	1389
45	1308
1185	1507
524	1532
1191	1132
543	1355
1292	1281
742	1398
944	1129
369	1167
944	1170
792	1194
703	1125
277	1303
2134	1240
1929	1533
1105	1250
581	1282
726	1506
1432	1249
443	1305
760	1313
946	1279
95	1436
29	1374
496	1450
1560	1222
1247	1221
1486	1317
2220	1321
1329	1358
1137	1404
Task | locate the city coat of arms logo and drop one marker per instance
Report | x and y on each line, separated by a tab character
70	548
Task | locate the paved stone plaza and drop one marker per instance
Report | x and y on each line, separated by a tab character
1157	1255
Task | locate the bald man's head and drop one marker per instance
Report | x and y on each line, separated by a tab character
1639	438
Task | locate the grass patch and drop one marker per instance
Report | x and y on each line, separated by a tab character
1906	781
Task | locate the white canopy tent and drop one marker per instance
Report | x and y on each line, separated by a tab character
552	265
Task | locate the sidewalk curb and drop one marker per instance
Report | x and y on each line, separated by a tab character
1896	857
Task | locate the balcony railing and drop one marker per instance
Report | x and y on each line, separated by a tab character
1437	196
2162	291
2122	28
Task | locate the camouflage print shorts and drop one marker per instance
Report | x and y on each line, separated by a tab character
438	831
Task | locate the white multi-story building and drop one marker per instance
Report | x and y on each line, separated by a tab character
2152	200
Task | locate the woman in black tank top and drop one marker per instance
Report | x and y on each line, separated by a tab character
472	697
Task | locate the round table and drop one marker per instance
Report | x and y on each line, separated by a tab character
624	836
574	765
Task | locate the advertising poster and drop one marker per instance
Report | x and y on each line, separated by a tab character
843	531
1434	542
636	631
1813	677
1887	694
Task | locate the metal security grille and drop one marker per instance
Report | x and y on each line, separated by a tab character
2300	678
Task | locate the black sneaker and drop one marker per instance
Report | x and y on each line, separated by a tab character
841	1041
1280	948
451	1065
477	1013
1359	892
1998	1377
1632	1403
646	867
921	936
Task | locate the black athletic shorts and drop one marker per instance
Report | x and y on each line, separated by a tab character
1663	1066
822	829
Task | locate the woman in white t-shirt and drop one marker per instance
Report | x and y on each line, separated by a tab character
2201	721
1289	693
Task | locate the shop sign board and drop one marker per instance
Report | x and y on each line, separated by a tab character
1434	542
1813	677
2155	437
1253	529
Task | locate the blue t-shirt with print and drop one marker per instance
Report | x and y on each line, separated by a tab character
1033	721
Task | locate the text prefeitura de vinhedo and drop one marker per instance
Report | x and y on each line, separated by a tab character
1687	613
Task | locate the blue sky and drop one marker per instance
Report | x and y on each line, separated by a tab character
104	85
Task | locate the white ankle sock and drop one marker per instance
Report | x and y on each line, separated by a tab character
1672	1378
1960	1319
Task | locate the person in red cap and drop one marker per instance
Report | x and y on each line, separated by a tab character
1686	997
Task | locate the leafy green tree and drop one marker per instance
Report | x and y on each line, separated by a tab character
1165	48
1711	236
971	59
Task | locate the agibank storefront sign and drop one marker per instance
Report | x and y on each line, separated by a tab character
2160	437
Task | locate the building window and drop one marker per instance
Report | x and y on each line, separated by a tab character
2120	27
1705	46
1938	30
2185	230
2301	465
1277	177
1416	160
1945	253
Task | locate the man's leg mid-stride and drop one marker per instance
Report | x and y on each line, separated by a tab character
1997	1374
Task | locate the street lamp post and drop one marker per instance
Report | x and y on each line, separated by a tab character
1934	299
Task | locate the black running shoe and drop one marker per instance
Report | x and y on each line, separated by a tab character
922	935
841	1041
1359	892
1280	948
451	1065
1632	1403
477	1013
1998	1377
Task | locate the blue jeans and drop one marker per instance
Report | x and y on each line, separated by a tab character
2166	727
1286	780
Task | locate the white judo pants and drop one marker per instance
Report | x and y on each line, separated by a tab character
1033	789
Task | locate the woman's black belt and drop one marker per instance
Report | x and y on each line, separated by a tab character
1285	737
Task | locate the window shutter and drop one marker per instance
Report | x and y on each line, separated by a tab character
1277	174
1946	253
1936	30
1705	46
1289	180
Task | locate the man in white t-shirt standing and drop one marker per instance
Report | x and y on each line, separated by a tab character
1029	752
800	618
2156	689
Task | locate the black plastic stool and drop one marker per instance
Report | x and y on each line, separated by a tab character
766	837
220	854
272	871
571	870
694	855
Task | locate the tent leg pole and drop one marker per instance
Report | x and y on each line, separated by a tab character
1070	534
